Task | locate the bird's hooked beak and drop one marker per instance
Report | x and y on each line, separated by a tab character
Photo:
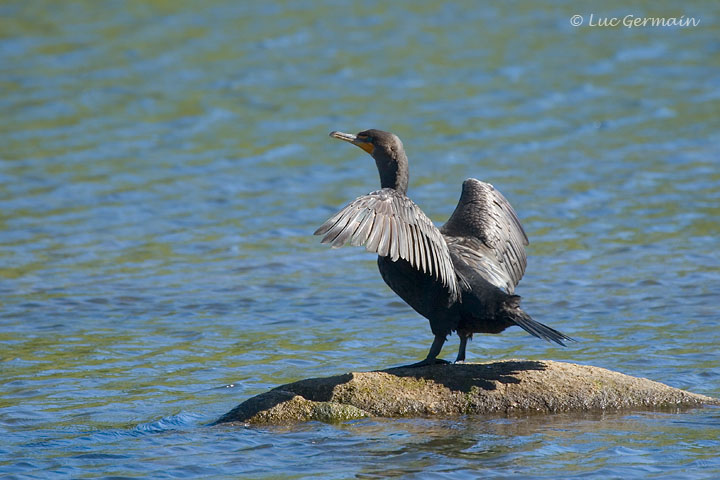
363	143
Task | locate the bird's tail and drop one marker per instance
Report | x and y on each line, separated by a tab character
522	319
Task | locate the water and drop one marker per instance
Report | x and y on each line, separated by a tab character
163	165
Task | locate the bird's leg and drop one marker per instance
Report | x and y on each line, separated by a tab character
461	351
431	358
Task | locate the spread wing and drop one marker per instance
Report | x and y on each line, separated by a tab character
391	225
485	232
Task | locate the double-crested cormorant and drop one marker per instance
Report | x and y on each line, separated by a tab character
460	277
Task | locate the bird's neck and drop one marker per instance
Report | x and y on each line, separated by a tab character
394	172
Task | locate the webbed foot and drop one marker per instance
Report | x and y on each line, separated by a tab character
427	361
431	358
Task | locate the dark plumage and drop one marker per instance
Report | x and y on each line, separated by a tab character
461	277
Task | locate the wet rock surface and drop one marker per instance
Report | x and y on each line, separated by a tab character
506	387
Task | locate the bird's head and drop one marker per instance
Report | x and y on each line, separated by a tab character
388	152
374	142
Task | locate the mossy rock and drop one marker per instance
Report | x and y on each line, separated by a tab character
507	387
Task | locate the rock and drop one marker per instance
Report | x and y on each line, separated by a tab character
507	387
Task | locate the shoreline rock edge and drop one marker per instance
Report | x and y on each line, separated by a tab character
504	387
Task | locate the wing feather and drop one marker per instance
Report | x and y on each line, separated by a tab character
363	230
418	240
349	229
485	232
391	225
384	246
394	252
341	223
376	231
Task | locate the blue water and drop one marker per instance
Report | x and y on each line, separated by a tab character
164	164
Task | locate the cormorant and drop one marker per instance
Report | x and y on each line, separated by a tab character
462	276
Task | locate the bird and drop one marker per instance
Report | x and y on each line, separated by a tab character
461	276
